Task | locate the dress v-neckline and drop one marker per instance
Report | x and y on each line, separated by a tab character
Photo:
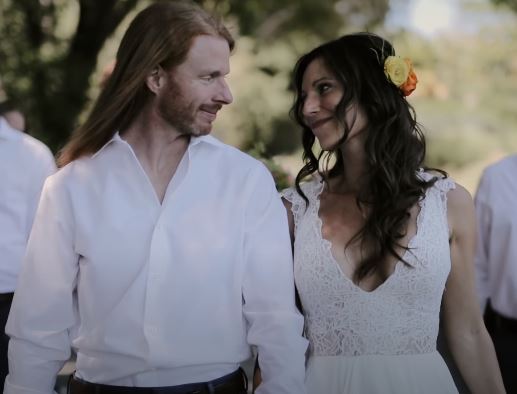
328	244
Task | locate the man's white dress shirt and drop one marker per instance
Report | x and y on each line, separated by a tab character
25	163
154	294
496	258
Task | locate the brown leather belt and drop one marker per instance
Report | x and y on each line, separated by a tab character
234	383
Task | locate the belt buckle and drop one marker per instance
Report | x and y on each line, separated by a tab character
208	388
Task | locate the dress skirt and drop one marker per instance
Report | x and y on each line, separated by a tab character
424	373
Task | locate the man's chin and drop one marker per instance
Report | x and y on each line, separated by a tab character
197	131
201	131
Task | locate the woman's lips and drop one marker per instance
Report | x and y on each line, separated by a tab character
318	123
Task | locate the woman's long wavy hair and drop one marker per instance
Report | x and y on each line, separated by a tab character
160	35
395	144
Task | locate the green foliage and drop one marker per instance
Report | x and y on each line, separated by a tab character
49	51
467	84
263	62
281	177
445	151
270	20
510	3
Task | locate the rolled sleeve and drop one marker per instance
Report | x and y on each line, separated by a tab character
275	325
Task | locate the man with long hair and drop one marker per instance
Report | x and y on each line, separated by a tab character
158	253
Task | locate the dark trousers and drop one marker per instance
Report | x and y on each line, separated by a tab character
234	383
504	335
5	306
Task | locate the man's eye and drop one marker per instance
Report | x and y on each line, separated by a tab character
207	78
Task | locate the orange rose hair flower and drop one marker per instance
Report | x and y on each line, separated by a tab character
400	72
410	84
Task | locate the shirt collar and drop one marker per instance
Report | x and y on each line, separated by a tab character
115	138
208	139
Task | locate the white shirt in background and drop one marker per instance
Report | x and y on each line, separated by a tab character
155	294
25	163
496	259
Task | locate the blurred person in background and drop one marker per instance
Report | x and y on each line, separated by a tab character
158	253
12	114
25	163
496	261
380	243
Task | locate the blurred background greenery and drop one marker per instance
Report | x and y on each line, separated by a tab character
53	53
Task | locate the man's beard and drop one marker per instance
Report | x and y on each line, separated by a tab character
177	112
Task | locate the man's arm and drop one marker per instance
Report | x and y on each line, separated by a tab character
275	325
467	337
43	306
43	167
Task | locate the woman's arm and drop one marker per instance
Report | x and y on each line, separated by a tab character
466	334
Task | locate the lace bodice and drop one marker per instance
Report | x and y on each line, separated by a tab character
401	316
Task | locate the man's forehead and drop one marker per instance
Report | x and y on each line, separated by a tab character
207	45
208	54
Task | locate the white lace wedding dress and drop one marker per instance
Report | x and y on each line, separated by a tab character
383	341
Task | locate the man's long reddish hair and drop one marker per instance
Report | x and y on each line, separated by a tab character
160	35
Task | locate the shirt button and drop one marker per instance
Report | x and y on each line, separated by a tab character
152	330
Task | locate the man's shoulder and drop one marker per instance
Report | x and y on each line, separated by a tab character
69	176
35	146
502	167
31	153
233	155
23	142
497	177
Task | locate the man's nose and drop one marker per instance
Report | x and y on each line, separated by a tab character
224	95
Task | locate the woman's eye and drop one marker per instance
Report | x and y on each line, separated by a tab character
322	88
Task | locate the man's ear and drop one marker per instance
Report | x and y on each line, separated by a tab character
155	80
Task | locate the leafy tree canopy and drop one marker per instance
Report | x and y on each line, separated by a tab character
49	48
510	3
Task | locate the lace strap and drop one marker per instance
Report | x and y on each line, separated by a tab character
441	184
445	184
436	201
298	205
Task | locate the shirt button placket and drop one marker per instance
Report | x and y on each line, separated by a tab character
158	255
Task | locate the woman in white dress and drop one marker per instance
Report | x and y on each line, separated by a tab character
379	244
